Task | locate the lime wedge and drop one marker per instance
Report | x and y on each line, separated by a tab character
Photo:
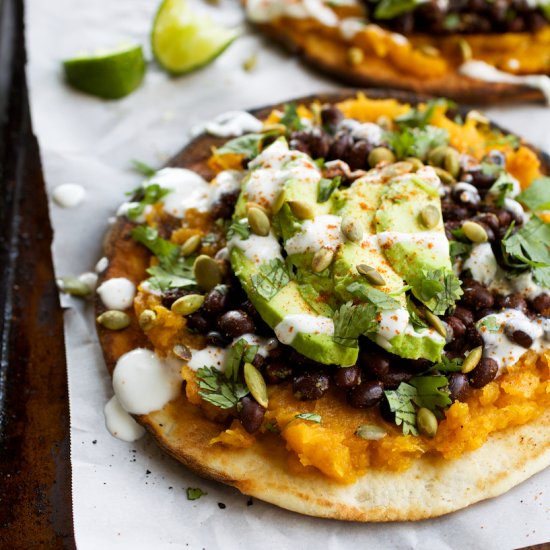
183	41
110	75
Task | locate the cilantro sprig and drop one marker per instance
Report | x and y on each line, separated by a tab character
271	278
416	118
529	248
438	289
172	271
240	352
416	142
249	145
327	187
537	196
350	321
290	117
152	194
217	389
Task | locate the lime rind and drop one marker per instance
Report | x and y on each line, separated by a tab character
109	74
183	41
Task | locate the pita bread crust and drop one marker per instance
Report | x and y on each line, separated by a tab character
431	487
331	57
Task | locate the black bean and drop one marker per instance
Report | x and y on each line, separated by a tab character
541	304
215	338
481	180
217	300
315	142
457	326
236	323
477	296
485	312
484	373
464	314
521	338
198	322
251	414
489	220
258	361
340	147
347	377
366	394
172	294
513	301
473	338
277	371
458	386
330	117
223	207
496	157
504	218
394	377
385	411
416	365
357	157
302	361
375	362
309	386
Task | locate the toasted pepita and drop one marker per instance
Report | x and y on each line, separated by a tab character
114	320
256	384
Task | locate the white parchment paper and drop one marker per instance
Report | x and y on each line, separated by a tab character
132	495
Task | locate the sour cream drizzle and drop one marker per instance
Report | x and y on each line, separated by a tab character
322	232
483	71
499	346
263	11
143	382
291	325
119	423
117	293
232	123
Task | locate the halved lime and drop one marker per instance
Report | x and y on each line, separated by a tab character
111	74
183	41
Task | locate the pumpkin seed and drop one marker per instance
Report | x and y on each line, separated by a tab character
451	162
280	199
385	122
147	319
371	275
475	232
397	169
182	352
321	260
355	56
302	210
371	432
191	245
256	384
73	286
380	154
465	49
429	216
352	229
251	204
187	304
250	63
429	50
444	176
259	222
426	422
472	359
476	116
417	164
436	156
436	323
114	320
207	272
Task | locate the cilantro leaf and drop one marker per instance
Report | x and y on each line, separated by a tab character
414	316
194	493
537	195
248	145
351	321
173	271
312	417
400	402
429	393
240	229
240	352
215	388
380	299
416	142
290	117
489	323
529	248
327	187
415	118
446	365
438	289
152	194
502	187
388	9
143	168
457	248
451	21
271	277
